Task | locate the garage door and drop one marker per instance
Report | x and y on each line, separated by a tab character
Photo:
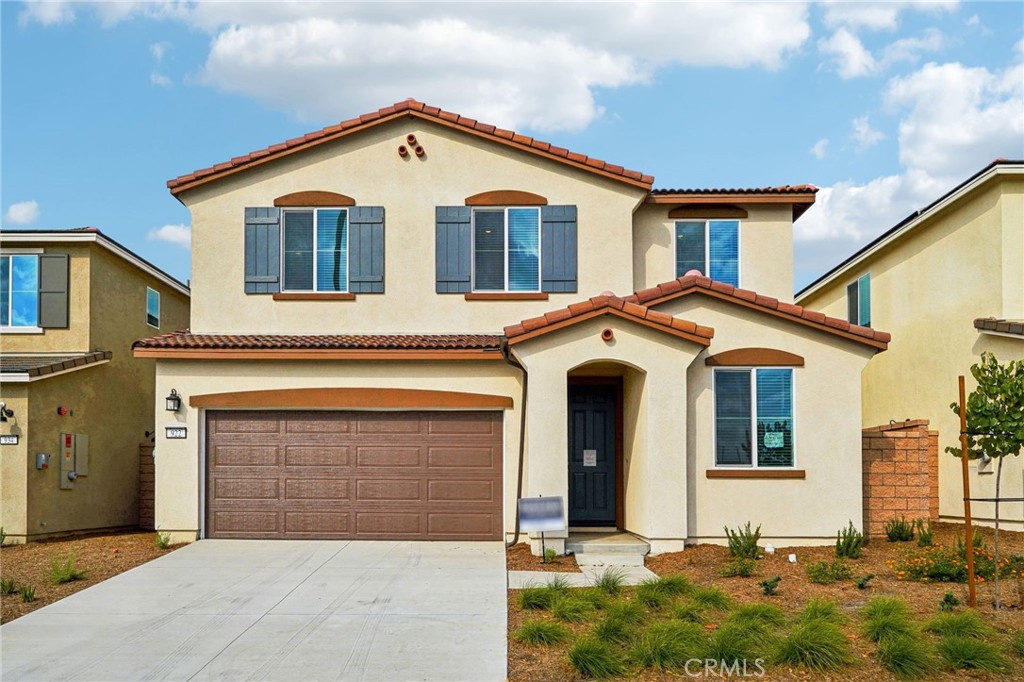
354	475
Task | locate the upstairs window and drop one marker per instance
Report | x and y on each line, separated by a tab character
152	308
316	250
756	402
506	249
711	247
19	291
858	301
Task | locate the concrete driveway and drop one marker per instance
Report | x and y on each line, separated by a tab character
278	610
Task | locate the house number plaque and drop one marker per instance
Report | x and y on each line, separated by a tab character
590	458
9	440
176	432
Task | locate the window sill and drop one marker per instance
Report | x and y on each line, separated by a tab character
22	330
756	473
509	296
314	296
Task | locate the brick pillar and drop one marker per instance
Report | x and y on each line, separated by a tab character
147	480
901	473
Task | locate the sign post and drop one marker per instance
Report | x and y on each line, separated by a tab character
540	514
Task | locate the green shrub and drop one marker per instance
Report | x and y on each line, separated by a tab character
162	540
593	596
668	645
756	615
739	568
863	581
627	612
907	656
816	644
550	555
675	585
769	586
594	658
64	571
690	613
966	624
614	629
899	530
967	652
925	534
571	609
7	586
743	541
886	606
824	610
712	598
737	642
28	593
825	573
542	632
534	597
611	581
559	584
948	602
849	543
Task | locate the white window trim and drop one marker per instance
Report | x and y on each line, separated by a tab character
707	245
860	295
472	252
348	231
148	323
754	464
12	329
22	330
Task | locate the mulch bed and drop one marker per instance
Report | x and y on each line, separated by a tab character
702	563
100	556
519	558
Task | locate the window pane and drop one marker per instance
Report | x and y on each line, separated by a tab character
724	236
5	290
864	291
775	417
732	417
690	253
852	306
489	251
331	247
523	249
298	250
152	307
24	291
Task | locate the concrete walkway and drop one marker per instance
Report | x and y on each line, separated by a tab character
633	575
278	610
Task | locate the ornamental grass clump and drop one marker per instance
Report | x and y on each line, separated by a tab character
739	568
965	624
596	659
816	644
907	656
669	645
571	609
611	580
825	573
628	612
690	612
615	629
657	592
534	597
887	617
64	571
822	609
960	653
754	615
740	642
542	632
711	598
899	530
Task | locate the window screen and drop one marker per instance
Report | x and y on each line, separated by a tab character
732	417
298	250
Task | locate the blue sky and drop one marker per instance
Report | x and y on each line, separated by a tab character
885	106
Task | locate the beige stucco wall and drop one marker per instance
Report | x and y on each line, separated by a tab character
179	462
368	168
14	463
766	248
827	439
926	289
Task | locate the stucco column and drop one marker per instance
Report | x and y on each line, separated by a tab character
547	441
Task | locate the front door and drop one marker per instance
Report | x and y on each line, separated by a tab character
592	455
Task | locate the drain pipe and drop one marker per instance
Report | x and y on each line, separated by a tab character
512	360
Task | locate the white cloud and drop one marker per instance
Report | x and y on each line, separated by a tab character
852	59
160	80
22	213
179	235
46	13
876	16
975	20
158	50
864	135
819	149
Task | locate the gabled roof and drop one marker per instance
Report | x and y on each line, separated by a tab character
411	108
608	304
997	167
31	367
781	189
698	284
1001	327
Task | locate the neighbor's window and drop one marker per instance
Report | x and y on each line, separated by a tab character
506	249
756	402
316	250
152	308
858	301
19	291
711	247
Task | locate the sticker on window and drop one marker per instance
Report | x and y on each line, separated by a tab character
774	439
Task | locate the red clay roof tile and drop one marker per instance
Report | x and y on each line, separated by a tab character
187	340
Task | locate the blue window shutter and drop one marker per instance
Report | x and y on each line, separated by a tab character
864	313
452	249
366	249
558	248
53	291
262	250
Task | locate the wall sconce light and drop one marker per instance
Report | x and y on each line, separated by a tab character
173	401
5	412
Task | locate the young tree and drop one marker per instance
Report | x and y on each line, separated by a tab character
995	422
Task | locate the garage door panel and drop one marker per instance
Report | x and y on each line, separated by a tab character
355	475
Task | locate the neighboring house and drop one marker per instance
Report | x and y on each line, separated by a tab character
948	282
76	402
382	308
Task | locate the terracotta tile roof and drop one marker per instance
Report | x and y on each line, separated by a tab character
607	304
41	365
690	284
781	189
413	108
185	340
991	324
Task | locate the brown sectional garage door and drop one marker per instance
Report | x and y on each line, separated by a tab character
354	475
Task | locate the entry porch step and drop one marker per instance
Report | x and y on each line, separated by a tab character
604	545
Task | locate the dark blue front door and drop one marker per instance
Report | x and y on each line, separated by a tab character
592	455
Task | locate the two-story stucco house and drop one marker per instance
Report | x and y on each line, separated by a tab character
76	403
404	322
948	282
